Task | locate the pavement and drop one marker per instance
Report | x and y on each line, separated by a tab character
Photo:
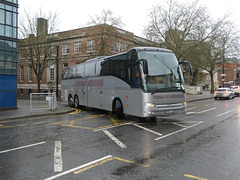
23	108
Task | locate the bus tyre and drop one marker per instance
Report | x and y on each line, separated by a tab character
70	101
76	101
119	109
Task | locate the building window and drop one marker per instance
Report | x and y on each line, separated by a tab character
91	45
29	73
65	65
21	91
113	46
21	73
65	48
119	47
51	51
78	47
52	73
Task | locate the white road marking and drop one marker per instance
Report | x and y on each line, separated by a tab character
110	127
179	125
22	147
114	139
205	110
58	157
79	167
149	130
226	112
179	131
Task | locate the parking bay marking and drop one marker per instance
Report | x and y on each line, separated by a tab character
225	113
114	139
22	147
178	131
58	157
92	164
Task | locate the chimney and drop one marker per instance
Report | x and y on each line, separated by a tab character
42	27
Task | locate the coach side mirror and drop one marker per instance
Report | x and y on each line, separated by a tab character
185	63
144	64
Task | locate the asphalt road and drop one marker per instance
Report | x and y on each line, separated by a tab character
90	144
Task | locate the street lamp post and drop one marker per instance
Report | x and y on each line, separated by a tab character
57	72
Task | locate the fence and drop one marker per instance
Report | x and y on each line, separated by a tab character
43	101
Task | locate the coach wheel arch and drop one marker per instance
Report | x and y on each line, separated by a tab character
117	108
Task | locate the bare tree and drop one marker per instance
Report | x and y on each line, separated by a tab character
189	32
36	37
105	31
224	41
179	27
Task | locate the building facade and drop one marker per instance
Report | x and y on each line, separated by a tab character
8	53
73	47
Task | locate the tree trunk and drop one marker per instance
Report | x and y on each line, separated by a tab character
38	85
212	83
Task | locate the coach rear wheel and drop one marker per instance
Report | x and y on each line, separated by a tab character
76	102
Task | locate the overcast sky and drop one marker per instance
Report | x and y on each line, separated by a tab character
134	13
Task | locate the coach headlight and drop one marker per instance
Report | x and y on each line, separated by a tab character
150	105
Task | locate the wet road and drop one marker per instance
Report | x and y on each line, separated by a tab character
90	144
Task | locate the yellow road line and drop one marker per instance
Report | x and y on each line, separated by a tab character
94	165
194	177
107	160
131	162
113	120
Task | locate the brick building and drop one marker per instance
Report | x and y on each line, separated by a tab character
230	73
73	47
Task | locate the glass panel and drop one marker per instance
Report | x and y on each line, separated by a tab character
2	44
2	16
14	46
1	55
8	7
14	19
8	31
1	67
8	45
164	73
8	18
14	33
8	56
2	5
2	30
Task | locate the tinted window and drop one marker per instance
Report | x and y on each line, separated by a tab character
80	70
65	73
90	69
72	72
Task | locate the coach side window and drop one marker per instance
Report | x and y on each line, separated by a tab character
80	70
65	73
90	69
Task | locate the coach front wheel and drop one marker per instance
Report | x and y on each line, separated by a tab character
119	109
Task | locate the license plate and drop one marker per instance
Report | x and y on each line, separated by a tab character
168	111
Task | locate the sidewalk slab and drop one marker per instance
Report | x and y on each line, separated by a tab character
23	110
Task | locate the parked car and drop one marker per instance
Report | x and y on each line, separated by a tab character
225	93
236	90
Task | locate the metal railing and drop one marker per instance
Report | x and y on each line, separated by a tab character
43	101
